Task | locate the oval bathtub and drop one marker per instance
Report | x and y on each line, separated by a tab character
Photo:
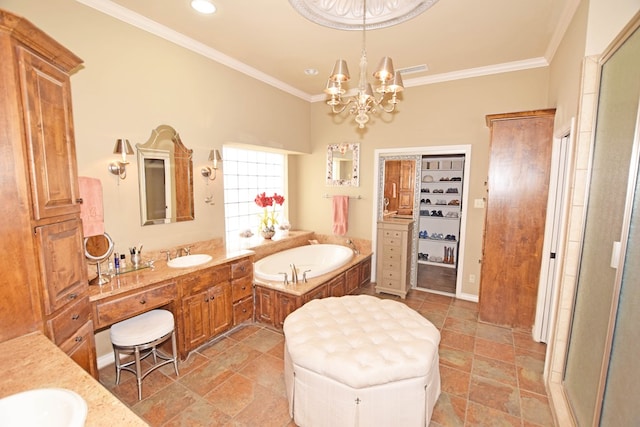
319	259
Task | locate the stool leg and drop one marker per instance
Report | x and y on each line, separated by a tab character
116	354
138	372
175	353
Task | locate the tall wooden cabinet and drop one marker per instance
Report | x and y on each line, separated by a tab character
399	185
43	285
517	187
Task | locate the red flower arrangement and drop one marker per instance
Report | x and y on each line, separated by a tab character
268	219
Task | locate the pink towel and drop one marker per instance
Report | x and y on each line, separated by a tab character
91	209
340	214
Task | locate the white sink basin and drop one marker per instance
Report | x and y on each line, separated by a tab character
53	407
189	261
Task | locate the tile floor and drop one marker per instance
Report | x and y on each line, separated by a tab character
491	376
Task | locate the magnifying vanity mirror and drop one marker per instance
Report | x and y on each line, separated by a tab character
165	171
343	164
97	249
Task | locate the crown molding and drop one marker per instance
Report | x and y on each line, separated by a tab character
139	21
506	67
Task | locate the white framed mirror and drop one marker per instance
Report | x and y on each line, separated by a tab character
165	171
343	164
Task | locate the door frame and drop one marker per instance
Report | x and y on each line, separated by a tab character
377	197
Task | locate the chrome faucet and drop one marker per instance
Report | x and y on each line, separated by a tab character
304	276
294	273
286	279
353	246
183	251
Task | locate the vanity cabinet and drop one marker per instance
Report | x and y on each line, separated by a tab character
394	250
242	290
206	305
44	275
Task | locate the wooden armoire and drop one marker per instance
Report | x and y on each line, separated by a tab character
517	191
43	279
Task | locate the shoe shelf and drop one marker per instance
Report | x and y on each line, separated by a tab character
437	264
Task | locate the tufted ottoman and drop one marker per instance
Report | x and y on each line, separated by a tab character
360	361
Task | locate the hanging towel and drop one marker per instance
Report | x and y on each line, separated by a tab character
340	214
91	209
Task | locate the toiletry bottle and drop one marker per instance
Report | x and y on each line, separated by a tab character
123	261
116	262
110	271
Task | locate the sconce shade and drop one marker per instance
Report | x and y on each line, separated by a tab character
122	146
340	71
385	71
211	171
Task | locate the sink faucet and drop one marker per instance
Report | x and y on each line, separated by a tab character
183	251
353	246
294	273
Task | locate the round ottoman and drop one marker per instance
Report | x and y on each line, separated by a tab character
360	361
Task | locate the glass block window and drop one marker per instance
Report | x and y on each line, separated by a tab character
246	174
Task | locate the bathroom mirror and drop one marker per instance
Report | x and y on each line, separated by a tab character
97	249
165	171
343	164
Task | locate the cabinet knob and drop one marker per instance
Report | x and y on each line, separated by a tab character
142	301
78	338
75	317
73	296
206	300
79	200
243	288
242	268
244	310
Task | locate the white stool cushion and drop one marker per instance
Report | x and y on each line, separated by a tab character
361	341
142	329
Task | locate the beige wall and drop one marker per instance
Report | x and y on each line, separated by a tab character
451	113
132	82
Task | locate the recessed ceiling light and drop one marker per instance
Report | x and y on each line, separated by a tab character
311	72
203	6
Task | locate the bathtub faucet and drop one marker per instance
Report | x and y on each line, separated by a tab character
353	246
294	273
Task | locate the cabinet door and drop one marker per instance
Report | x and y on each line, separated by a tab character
337	286
352	279
321	291
285	305
46	96
264	305
195	311
220	306
365	272
62	267
406	191
82	349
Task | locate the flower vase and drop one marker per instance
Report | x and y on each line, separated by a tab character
267	234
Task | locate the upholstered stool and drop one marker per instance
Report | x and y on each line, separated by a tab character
143	332
360	361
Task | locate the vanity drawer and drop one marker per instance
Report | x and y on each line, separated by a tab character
395	234
392	241
241	288
114	310
65	324
243	311
242	268
196	282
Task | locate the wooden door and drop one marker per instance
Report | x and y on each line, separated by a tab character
392	183
62	264
519	169
406	187
195	311
46	94
220	308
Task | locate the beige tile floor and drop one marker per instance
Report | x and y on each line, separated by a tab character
491	376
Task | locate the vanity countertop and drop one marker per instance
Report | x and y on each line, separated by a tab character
32	361
159	273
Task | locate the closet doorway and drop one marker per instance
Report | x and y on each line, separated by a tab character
436	263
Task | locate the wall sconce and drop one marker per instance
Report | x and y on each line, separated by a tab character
120	167
209	171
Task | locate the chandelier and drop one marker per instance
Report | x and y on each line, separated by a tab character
365	101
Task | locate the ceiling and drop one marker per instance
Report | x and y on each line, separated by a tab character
269	40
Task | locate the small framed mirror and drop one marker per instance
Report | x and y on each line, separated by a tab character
165	171
343	164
